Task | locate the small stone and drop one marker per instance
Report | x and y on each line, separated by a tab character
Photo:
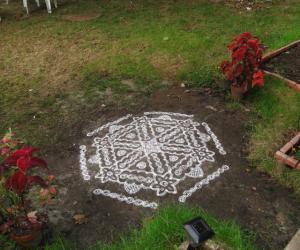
103	105
184	245
182	85
166	82
208	245
211	108
55	217
253	188
214	245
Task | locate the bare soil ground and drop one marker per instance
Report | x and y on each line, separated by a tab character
286	64
256	201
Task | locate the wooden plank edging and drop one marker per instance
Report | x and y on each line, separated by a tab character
282	154
294	85
275	53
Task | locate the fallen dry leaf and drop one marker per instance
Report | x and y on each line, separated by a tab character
80	219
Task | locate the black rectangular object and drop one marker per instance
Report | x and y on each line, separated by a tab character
198	230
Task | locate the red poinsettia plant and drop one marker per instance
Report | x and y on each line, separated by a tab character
17	179
244	69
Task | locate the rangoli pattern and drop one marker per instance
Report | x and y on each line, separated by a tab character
156	151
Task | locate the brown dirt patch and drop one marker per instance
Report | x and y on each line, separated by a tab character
286	64
253	199
50	60
81	18
166	64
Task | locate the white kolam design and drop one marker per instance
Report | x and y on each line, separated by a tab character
128	200
84	170
202	183
155	151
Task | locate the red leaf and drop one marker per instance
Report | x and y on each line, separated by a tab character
258	79
239	54
258	82
27	162
239	70
23	163
253	43
247	35
233	46
259	74
26	151
259	53
53	190
38	162
36	180
224	65
17	182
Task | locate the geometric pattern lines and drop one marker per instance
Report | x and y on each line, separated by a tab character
156	151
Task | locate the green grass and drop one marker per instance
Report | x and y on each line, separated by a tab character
165	231
7	244
142	40
276	118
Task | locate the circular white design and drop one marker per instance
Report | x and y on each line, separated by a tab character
141	165
180	141
130	136
131	188
159	129
121	152
173	158
155	151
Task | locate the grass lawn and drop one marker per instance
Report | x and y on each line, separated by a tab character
53	71
165	231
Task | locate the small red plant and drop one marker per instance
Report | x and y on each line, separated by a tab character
23	160
244	69
17	164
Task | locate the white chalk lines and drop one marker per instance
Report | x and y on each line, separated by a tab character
155	151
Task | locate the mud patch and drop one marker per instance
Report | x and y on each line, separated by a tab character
286	64
252	198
